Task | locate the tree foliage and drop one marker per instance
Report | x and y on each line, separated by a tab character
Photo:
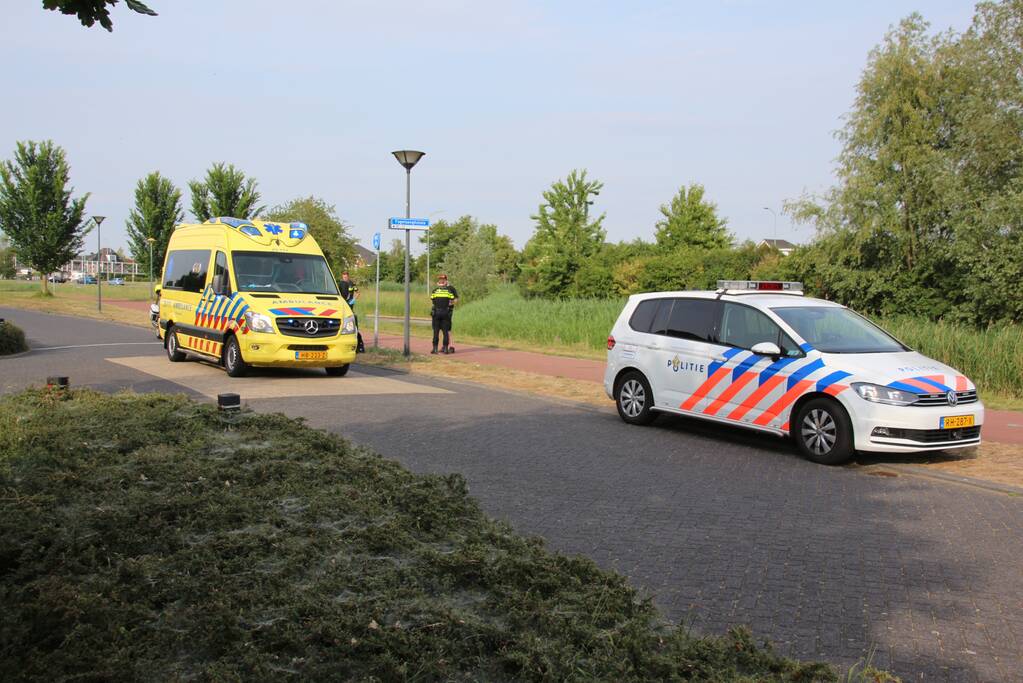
7	269
224	192
927	217
37	212
564	238
469	263
329	231
157	210
91	11
689	221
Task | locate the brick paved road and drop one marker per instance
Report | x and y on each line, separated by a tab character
720	527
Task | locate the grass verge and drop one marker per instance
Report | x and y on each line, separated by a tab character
150	537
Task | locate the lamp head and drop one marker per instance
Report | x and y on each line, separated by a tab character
408	157
99	219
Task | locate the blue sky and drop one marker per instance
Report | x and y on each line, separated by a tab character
311	96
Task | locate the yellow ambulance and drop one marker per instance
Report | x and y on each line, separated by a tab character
253	293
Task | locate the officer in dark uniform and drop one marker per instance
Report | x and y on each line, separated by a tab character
443	297
350	293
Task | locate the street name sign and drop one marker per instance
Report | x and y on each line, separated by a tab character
409	224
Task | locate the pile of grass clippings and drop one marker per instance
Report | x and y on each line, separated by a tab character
151	537
12	339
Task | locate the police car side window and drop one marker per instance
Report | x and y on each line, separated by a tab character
744	327
660	323
692	319
187	270
643	316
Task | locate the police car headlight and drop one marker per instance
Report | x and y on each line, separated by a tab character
348	326
875	393
257	322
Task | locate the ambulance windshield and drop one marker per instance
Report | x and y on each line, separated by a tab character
831	329
260	271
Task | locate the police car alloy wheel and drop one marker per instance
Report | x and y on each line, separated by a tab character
233	362
174	354
823	432
634	399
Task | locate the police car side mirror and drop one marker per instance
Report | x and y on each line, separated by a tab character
766	349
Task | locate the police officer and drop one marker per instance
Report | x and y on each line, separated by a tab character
444	297
350	293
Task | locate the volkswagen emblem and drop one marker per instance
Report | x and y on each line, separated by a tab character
312	327
953	398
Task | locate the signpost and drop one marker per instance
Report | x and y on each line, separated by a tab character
376	305
409	224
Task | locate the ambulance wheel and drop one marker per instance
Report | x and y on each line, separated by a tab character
338	370
233	361
634	399
823	432
174	354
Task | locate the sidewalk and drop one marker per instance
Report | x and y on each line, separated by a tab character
1000	426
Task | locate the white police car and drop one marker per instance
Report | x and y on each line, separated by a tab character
759	355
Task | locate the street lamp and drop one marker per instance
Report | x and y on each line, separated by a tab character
99	262
150	240
767	208
408	158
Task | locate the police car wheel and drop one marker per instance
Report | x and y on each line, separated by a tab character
823	432
174	354
634	399
233	361
338	370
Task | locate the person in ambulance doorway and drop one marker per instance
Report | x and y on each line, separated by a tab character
443	297
350	293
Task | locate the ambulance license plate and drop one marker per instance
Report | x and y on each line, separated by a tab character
310	355
956	421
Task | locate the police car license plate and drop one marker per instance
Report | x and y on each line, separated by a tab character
956	421
310	355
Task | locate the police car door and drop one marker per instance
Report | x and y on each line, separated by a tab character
685	333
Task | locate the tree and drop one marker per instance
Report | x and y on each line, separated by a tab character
506	256
442	233
157	210
329	231
36	210
7	269
91	11
690	221
225	192
469	264
564	238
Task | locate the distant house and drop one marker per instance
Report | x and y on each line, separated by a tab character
364	257
784	246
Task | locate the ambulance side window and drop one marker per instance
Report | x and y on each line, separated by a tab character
187	269
221	279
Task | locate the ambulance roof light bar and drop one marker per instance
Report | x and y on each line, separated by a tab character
759	287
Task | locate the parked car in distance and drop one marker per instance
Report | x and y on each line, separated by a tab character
86	280
116	281
57	277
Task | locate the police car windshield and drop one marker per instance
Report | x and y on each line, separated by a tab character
838	330
260	271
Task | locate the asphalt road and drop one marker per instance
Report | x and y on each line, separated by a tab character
720	527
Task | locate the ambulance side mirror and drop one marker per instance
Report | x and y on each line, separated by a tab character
766	349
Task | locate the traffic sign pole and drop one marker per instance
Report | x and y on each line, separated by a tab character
376	312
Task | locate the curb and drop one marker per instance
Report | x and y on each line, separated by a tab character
997	487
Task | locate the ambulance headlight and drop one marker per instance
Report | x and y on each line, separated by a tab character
348	326
257	322
875	393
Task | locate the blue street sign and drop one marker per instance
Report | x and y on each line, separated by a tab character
376	241
409	224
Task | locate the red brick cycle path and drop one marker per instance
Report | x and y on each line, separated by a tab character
1000	426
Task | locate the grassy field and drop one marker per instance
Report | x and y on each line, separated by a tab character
132	291
154	538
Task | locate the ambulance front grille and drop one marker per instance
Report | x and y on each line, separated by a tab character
297	327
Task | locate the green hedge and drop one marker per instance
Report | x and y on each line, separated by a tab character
12	339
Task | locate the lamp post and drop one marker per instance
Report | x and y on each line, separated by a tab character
408	158
150	240
767	208
99	262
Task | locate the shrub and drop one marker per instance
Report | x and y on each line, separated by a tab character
12	339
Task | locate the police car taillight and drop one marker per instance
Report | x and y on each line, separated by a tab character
760	286
610	343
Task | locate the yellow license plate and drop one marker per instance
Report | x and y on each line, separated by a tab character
956	421
310	355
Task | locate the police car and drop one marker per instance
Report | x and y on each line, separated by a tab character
762	356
